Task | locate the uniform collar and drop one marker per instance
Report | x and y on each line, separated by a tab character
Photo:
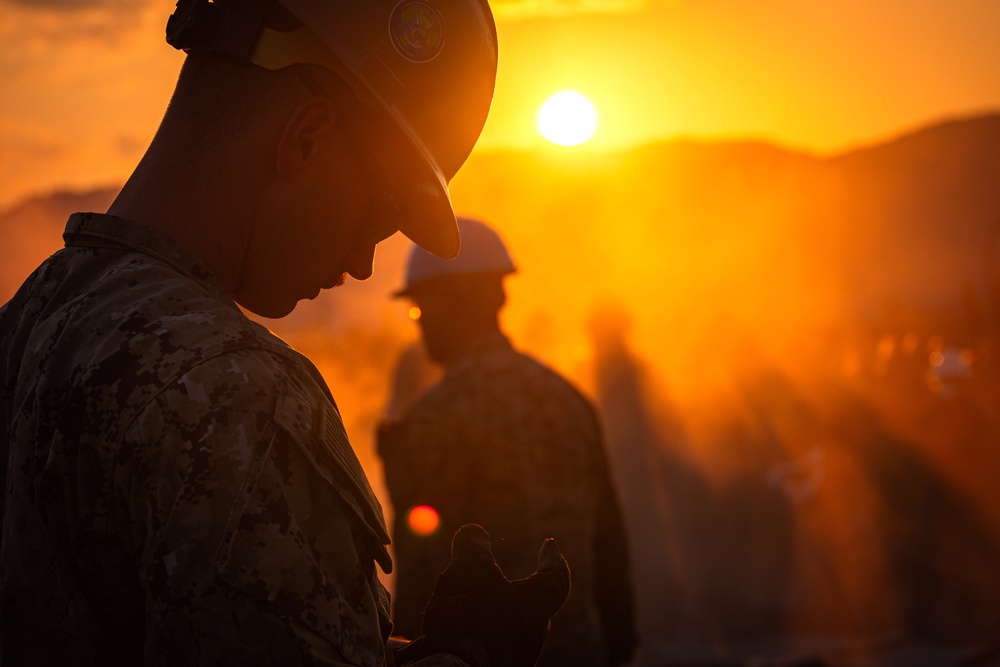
492	343
101	230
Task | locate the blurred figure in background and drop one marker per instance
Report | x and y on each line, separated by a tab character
505	442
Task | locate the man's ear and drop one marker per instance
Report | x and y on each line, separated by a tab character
311	123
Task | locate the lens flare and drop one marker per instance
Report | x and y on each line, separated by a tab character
414	313
423	520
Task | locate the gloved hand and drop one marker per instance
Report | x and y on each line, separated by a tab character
478	614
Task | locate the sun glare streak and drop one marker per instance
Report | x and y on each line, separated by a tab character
567	118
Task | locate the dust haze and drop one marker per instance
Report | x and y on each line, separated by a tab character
795	360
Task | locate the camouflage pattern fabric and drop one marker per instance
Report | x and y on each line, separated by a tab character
506	443
179	487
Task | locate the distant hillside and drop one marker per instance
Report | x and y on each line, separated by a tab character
733	230
702	230
32	230
929	207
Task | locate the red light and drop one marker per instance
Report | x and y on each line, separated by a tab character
423	520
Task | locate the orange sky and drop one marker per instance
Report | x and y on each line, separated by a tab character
85	81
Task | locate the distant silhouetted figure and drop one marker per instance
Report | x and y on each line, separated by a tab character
504	442
639	453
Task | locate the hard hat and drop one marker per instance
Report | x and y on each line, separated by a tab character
483	251
423	73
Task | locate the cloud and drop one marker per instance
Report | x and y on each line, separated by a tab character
113	11
54	24
76	5
29	151
129	146
42	33
524	9
85	84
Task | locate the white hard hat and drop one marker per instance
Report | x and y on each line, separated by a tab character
482	251
422	72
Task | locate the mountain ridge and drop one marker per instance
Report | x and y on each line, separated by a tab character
907	218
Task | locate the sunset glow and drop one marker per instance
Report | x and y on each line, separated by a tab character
772	261
567	118
812	76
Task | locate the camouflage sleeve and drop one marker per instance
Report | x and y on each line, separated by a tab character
247	553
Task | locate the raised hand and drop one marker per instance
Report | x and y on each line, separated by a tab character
477	613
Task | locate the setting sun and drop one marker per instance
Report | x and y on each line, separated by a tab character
567	118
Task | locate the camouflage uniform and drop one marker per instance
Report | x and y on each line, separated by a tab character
504	442
180	487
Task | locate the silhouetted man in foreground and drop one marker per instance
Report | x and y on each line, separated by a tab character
504	442
179	488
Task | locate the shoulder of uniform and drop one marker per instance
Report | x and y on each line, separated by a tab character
305	410
543	375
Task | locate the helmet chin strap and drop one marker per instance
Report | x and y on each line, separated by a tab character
202	25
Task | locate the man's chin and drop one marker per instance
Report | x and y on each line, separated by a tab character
270	309
276	308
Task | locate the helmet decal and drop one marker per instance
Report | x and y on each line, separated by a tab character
416	30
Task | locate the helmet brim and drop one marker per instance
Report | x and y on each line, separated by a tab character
419	185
